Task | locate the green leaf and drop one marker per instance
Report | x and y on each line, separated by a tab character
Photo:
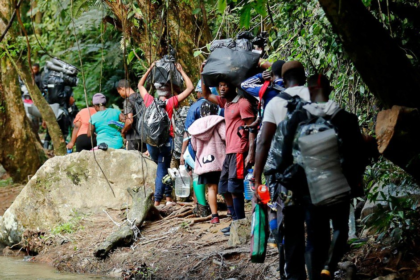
260	7
221	5
196	11
245	16
362	90
197	53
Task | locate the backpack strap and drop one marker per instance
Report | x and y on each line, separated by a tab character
262	91
278	88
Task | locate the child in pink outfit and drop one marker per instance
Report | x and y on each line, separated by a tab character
208	140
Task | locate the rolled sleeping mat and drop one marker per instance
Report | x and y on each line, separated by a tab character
54	67
65	65
33	111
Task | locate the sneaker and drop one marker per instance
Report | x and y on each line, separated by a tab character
215	220
226	229
326	274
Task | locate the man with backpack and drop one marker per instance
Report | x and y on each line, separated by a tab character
293	74
158	128
240	150
258	83
133	106
324	142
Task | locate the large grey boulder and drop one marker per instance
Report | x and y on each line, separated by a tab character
65	184
387	191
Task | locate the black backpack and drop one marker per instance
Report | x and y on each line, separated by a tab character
139	108
155	124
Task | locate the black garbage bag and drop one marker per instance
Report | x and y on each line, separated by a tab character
156	124
245	35
228	65
164	73
243	45
225	43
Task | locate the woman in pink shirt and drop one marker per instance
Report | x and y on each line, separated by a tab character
81	126
162	155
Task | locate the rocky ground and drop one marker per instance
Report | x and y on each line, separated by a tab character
178	246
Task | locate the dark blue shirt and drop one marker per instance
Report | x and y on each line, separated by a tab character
193	115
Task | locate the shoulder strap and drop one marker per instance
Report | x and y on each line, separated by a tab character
262	91
278	88
285	96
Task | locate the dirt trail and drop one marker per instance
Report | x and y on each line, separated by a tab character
167	249
8	195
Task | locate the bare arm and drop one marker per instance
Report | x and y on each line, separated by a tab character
91	130
206	91
128	123
190	86
141	87
249	161
263	147
74	135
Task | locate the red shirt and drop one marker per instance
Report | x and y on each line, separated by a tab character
236	112
171	104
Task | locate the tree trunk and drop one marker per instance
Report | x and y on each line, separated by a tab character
141	206
376	56
152	34
398	135
43	107
20	154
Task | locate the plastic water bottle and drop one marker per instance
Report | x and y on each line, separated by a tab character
264	194
248	185
182	182
69	151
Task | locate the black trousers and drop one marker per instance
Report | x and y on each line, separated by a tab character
83	142
322	251
293	232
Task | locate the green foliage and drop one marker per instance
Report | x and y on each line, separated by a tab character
6	182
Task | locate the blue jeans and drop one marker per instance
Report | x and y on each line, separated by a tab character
162	157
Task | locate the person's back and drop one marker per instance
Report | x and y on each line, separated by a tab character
104	132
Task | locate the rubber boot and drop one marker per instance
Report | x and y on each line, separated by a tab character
200	192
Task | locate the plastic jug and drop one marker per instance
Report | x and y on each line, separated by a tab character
182	182
248	185
264	194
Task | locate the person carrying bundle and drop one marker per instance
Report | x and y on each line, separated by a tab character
158	128
239	146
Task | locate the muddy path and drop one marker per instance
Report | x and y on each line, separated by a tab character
167	249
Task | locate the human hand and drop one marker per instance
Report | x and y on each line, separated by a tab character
182	160
146	154
70	145
202	66
266	75
179	67
249	160
44	125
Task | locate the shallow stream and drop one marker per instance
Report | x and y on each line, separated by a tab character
18	269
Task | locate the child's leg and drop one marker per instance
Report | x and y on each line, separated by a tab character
212	197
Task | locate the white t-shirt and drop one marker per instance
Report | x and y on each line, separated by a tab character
276	110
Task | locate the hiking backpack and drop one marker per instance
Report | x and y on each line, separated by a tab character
156	124
316	150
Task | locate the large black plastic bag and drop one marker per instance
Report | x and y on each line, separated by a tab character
230	66
225	43
243	45
165	73
156	124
